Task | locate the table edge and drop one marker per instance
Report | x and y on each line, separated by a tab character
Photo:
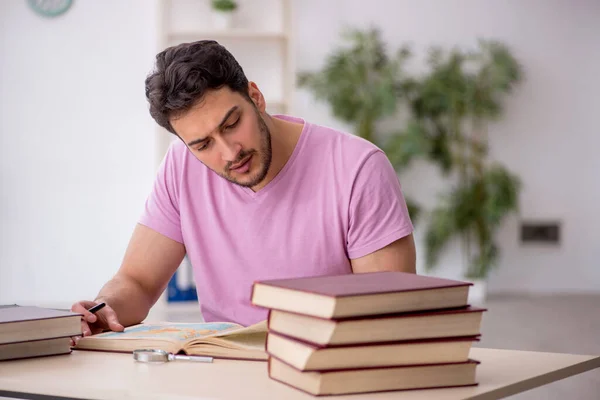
540	380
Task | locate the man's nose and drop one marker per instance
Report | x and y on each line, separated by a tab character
229	150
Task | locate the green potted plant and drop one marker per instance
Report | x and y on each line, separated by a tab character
452	105
222	13
449	108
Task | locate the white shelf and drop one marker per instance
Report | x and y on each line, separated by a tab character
238	34
261	38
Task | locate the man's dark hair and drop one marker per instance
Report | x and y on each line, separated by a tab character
185	72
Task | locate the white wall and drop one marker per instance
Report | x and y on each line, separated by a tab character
76	145
550	132
77	151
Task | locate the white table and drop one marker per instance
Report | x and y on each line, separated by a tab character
95	375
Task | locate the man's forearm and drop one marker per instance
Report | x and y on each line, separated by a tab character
127	298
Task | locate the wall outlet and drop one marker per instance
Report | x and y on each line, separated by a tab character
540	232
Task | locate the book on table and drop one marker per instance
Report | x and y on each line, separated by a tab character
352	295
366	380
214	339
31	331
454	322
307	356
35	348
369	332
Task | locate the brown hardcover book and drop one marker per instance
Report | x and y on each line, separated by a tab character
309	357
348	295
368	380
24	323
457	322
35	348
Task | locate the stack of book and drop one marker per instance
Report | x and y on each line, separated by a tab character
28	331
371	332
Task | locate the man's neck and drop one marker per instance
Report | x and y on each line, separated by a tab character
284	137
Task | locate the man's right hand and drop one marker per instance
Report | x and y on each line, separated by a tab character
104	319
150	261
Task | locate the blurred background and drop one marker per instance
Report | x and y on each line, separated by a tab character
487	109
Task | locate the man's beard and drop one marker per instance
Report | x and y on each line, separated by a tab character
263	156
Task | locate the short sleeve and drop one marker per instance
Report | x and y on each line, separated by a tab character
378	214
161	211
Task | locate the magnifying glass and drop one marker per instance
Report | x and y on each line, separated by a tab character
155	355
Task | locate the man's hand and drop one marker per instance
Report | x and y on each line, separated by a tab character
105	319
150	261
397	256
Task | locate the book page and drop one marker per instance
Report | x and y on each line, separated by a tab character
179	332
243	343
258	328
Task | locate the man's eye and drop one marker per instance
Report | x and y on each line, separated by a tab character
233	125
202	146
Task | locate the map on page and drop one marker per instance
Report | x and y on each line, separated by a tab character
177	331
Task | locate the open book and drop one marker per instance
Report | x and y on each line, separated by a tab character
214	339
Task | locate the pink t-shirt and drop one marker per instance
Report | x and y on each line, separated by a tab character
337	197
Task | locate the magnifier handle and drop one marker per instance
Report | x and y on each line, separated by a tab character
190	358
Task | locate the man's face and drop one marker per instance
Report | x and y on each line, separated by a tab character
227	133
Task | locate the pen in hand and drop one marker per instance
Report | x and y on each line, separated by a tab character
92	310
97	308
110	318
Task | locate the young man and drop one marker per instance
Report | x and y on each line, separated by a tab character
249	196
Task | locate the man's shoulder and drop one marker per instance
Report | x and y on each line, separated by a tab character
342	142
177	156
176	149
178	164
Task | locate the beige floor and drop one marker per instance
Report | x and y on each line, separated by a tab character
566	324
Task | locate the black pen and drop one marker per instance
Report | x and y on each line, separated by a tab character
97	308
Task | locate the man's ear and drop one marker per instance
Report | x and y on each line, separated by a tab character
256	96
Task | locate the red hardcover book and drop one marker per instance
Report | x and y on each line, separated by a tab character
337	296
306	356
378	379
455	322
